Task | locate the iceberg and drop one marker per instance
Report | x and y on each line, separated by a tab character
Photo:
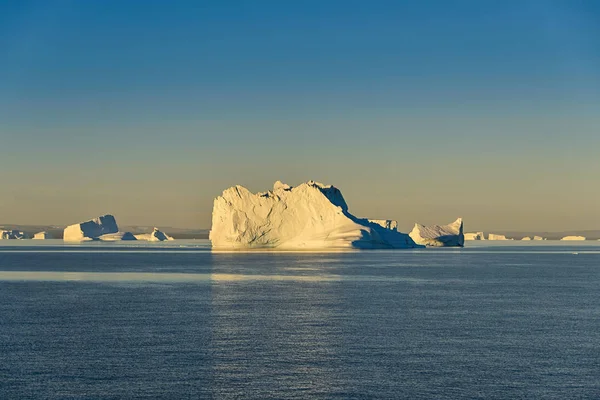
113	237
538	238
450	235
474	236
493	236
42	235
526	238
309	216
92	229
155	236
385	223
13	234
573	238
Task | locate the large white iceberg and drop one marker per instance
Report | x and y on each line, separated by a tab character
573	238
450	235
538	238
526	238
155	236
42	235
92	229
474	236
309	216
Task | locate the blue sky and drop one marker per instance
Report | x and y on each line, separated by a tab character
418	111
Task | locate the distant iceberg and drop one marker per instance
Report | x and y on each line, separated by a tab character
538	238
573	238
526	238
91	230
13	234
309	216
42	235
493	236
474	236
450	235
155	236
113	237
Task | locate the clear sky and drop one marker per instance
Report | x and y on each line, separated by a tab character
417	110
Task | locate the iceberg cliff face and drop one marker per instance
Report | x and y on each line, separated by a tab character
309	216
450	235
92	229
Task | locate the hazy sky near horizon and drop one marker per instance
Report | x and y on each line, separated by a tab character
418	111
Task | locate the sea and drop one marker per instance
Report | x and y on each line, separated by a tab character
492	320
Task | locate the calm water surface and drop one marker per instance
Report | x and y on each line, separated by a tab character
113	322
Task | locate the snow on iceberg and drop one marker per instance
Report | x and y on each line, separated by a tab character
309	216
92	229
474	236
450	235
42	235
155	236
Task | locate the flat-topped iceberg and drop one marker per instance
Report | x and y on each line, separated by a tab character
155	236
493	236
573	238
92	229
450	235
474	236
538	238
309	216
42	235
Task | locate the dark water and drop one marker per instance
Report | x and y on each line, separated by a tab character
504	323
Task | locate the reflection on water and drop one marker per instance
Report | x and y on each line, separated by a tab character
181	324
292	331
151	277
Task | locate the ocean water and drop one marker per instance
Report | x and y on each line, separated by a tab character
114	321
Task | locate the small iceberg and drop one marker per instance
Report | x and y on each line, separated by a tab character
155	236
450	235
474	236
493	236
573	238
